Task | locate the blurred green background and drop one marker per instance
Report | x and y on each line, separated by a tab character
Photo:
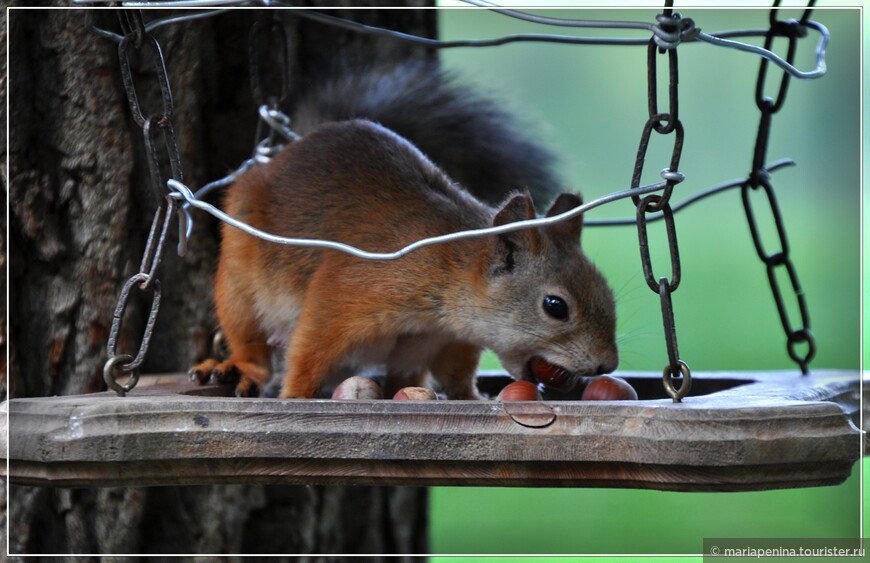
589	103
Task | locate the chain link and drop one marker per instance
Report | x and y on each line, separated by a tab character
667	34
792	30
268	143
154	245
668	38
156	127
163	125
136	281
271	119
156	55
267	27
759	178
664	124
671	174
652	89
649	204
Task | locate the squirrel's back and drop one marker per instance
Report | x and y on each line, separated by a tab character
375	168
376	190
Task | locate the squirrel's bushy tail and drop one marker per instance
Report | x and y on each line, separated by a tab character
471	138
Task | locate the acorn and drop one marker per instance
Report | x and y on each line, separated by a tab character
414	394
520	391
356	388
608	388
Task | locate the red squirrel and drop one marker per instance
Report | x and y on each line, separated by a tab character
531	296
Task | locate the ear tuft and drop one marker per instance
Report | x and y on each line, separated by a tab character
570	227
518	208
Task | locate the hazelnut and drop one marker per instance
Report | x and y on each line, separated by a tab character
609	388
414	394
520	391
358	387
549	374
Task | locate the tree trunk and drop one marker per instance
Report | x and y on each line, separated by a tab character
81	204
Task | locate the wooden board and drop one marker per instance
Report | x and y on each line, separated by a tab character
764	431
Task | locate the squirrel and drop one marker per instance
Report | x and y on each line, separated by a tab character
364	173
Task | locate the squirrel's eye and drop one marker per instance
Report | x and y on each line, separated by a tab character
556	307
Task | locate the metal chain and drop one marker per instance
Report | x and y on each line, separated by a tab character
267	27
268	30
688	31
155	127
667	35
759	178
664	124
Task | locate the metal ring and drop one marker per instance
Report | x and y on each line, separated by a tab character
109	378
797	337
677	394
673	177
652	203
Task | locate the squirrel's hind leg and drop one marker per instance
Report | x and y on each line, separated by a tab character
395	380
319	343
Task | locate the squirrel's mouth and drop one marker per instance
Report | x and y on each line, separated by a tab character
550	374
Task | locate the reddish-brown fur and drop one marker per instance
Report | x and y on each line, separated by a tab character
430	311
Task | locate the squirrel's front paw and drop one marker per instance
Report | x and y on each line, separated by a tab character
225	373
201	372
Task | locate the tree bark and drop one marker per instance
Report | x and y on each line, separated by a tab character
81	204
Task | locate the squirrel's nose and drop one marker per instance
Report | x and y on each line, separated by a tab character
609	365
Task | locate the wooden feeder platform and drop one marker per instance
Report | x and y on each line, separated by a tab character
736	432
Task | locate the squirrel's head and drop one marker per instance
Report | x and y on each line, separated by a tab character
550	314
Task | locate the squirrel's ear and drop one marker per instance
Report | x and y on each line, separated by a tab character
518	208
571	227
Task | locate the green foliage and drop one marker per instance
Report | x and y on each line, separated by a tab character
590	103
495	520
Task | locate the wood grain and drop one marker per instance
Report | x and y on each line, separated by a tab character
776	430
